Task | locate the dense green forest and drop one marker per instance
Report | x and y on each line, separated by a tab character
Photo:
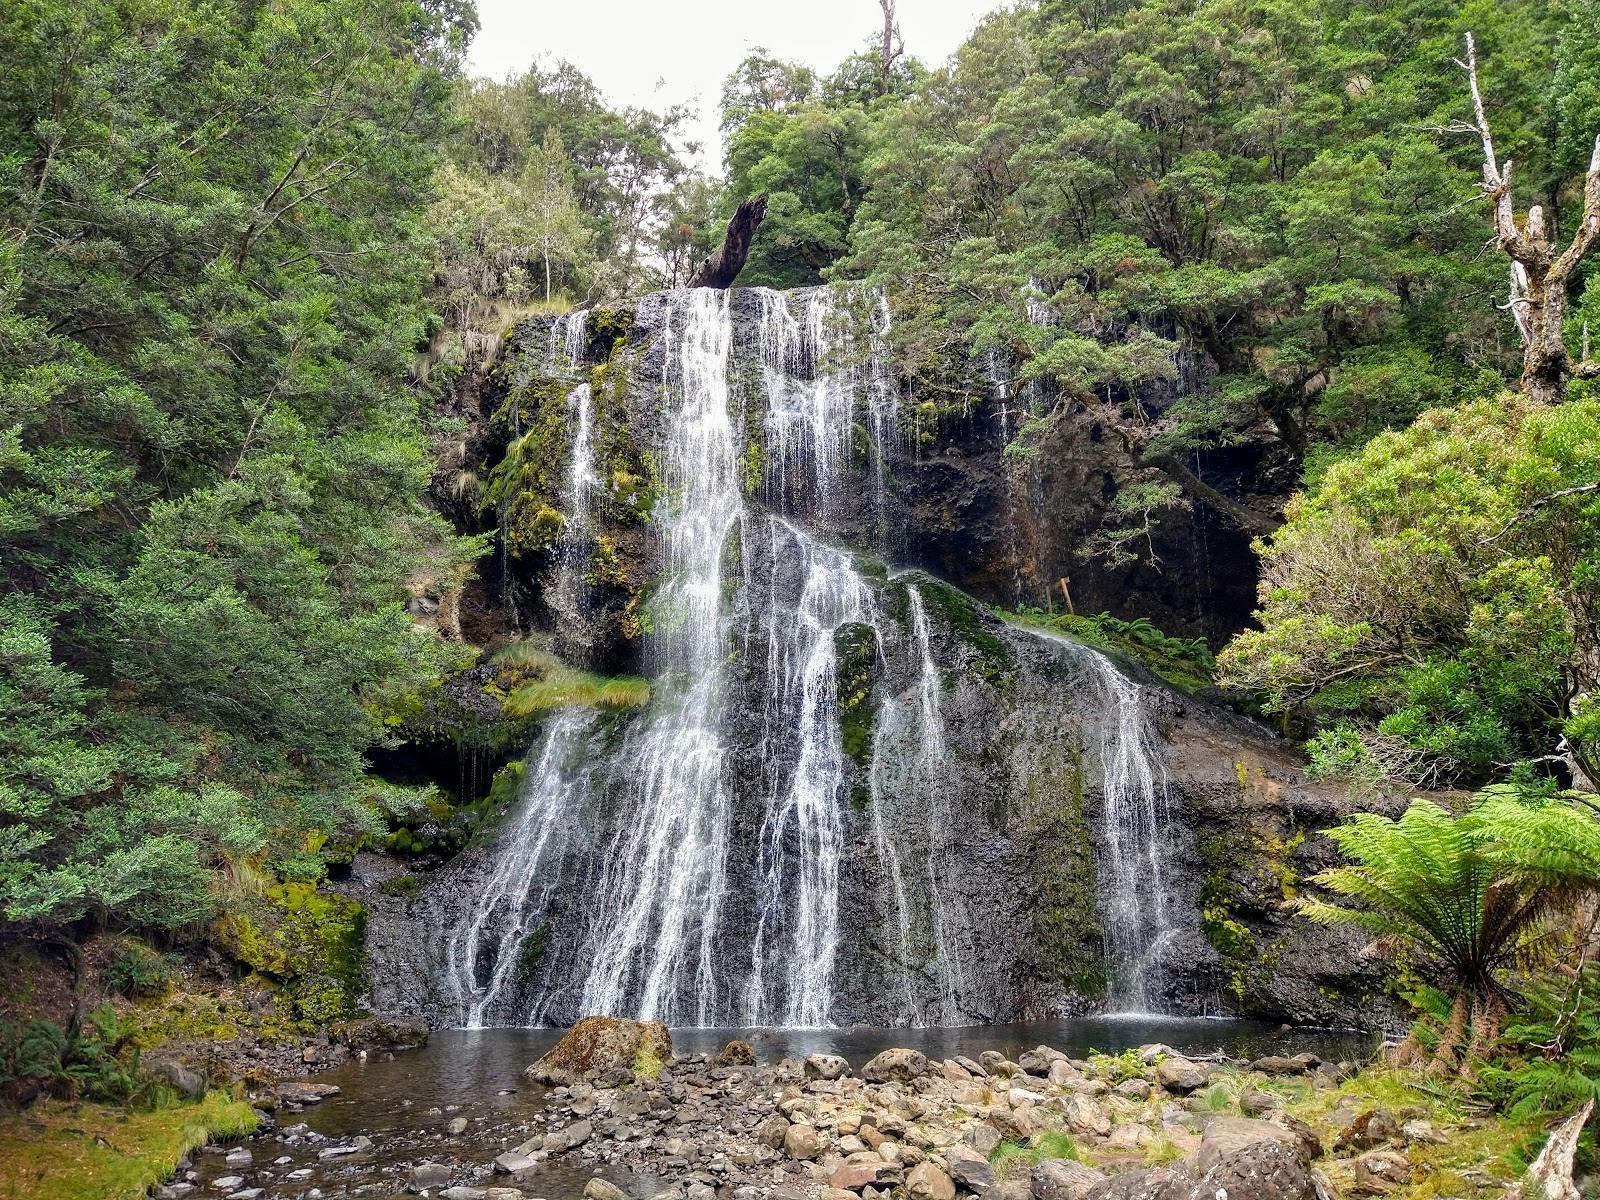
247	250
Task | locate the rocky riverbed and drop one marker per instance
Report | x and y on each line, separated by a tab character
1148	1123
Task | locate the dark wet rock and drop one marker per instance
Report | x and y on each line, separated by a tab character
1151	1183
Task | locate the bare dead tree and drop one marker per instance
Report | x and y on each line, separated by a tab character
891	48
720	268
1539	275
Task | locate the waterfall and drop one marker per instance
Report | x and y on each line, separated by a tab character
813	370
802	831
1134	898
946	957
657	905
745	849
517	896
1133	886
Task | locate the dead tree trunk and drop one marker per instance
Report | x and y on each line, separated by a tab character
1539	274
722	267
891	48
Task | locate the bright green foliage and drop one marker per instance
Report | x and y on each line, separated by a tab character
1472	894
802	143
211	287
541	682
620	166
1434	598
1550	1056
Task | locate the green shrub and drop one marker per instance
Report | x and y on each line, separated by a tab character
134	970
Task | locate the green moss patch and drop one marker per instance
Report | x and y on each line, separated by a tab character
92	1152
856	655
960	612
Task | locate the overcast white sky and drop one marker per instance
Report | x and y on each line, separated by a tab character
655	53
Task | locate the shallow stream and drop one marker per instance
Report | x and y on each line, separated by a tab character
404	1104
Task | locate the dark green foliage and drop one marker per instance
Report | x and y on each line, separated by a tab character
856	650
211	461
38	1057
135	971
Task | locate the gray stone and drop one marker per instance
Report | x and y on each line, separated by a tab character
1038	1060
456	1126
1133	1089
1085	1117
463	1192
226	1183
1063	1074
188	1084
1422	1133
1381	1171
1151	1183
428	1175
1063	1179
969	1168
238	1157
1225	1136
512	1163
602	1189
826	1066
771	1130
1262	1170
1181	1075
899	1065
983	1138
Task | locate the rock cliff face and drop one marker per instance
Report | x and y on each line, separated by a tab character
856	795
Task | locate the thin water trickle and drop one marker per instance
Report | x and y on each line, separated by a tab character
484	956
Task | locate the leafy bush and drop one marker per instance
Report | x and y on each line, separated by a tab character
38	1057
135	970
1432	599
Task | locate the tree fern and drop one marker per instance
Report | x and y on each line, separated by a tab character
1472	893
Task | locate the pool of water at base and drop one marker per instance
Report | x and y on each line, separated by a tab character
403	1103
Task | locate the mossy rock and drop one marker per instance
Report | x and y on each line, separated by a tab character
856	658
309	943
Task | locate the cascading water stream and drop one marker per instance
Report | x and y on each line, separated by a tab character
1133	885
519	890
658	899
946	960
802	832
1138	925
